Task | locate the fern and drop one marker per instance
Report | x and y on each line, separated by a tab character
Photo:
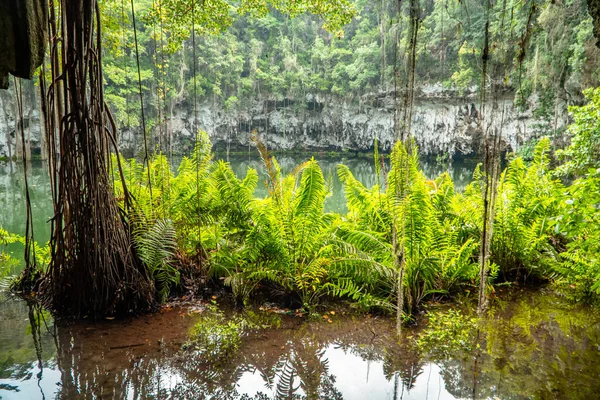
521	234
156	244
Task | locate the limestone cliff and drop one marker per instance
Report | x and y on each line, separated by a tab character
442	123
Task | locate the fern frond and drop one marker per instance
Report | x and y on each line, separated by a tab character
156	244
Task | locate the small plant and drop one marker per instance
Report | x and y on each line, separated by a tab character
261	320
527	149
8	263
217	339
156	243
442	159
447	333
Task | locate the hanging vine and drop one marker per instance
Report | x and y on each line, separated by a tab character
27	281
402	131
492	134
94	269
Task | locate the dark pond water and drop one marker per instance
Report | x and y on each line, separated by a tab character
532	345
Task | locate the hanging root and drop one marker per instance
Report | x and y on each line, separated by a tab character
94	269
27	280
491	165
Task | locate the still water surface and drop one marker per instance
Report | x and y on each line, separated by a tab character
532	345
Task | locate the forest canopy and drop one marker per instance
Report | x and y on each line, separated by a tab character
547	49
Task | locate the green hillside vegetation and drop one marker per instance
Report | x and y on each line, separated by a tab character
547	50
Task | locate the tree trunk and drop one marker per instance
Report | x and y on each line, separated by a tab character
399	265
402	132
382	35
94	269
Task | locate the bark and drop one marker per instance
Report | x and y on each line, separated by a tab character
94	269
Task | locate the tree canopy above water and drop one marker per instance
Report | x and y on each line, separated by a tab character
178	17
547	49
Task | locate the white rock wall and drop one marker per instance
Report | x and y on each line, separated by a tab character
440	125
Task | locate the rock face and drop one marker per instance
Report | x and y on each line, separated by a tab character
441	124
33	134
23	27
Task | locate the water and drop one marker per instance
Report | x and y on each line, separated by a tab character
12	198
533	345
363	169
352	358
12	204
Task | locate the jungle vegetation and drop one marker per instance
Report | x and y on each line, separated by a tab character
245	59
285	244
548	49
200	217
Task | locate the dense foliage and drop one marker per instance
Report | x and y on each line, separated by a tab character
547	50
200	216
205	216
285	242
9	265
583	156
7	262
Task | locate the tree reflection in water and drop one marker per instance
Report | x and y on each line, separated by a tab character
530	346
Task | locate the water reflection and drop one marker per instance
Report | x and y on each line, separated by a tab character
531	346
27	350
12	198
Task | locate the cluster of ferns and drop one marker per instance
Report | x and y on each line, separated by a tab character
285	243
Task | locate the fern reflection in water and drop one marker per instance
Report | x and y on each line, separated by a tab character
532	345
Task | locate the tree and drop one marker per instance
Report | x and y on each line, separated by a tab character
583	154
95	269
